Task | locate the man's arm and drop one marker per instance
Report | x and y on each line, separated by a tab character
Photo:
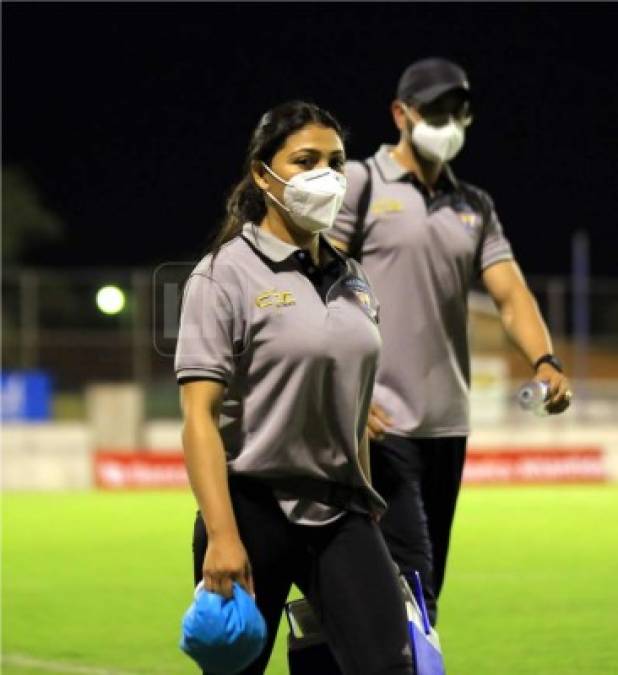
524	325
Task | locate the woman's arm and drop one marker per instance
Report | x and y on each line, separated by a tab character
363	456
226	559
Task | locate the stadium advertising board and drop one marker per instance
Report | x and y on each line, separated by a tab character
139	470
149	470
526	465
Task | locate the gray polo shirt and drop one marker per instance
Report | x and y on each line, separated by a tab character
298	367
420	254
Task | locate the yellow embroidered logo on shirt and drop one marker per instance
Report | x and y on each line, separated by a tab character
469	219
274	298
386	206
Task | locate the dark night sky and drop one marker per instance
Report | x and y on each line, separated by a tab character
133	119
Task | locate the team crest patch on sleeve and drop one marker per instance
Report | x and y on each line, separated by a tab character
471	219
364	296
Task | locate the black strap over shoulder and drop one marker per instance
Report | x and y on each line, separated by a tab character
355	248
480	204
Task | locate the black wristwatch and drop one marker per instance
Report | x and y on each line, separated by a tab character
553	361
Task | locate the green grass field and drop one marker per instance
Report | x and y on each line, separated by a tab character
96	583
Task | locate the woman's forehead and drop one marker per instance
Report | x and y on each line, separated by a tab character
314	136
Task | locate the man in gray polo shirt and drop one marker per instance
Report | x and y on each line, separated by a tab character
423	237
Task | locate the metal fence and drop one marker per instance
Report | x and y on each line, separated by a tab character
51	322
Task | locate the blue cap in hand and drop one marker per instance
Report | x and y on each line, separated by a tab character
223	635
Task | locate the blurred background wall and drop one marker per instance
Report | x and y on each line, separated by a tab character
77	380
125	126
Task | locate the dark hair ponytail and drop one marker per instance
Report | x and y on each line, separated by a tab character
246	201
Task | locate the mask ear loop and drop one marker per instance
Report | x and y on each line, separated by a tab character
269	194
406	112
274	175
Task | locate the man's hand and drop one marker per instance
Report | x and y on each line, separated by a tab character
559	396
378	422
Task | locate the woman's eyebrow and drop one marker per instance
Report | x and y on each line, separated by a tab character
315	151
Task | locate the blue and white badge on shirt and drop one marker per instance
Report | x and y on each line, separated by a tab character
364	296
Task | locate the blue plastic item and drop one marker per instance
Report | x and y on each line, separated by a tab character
425	642
223	635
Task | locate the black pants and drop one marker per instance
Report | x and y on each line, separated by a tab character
419	478
343	569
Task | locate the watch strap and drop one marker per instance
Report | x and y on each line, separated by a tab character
553	361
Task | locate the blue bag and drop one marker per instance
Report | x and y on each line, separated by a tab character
425	643
223	635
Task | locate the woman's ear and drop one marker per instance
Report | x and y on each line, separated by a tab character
259	174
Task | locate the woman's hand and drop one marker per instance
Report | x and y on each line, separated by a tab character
226	561
378	422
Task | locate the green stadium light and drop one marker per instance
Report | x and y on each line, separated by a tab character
110	299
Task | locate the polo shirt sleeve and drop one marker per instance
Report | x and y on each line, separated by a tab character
343	229
205	347
496	246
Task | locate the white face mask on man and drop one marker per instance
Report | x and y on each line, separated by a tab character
437	144
312	198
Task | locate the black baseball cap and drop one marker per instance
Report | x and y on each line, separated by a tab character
424	81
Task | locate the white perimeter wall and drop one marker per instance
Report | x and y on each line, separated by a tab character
57	456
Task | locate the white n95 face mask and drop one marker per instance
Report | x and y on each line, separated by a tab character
438	144
312	198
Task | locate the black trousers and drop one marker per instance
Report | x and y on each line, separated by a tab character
419	478
343	569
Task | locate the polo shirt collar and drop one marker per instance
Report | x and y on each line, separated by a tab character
266	243
392	171
277	250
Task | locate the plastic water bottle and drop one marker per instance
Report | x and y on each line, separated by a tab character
532	396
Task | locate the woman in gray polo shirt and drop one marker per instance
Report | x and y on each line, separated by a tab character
276	356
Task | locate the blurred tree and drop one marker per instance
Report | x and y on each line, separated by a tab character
26	223
25	218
